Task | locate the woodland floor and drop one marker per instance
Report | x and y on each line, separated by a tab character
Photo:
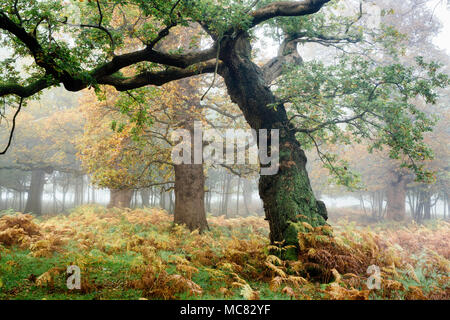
137	254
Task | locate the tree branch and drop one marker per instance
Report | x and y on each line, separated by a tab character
331	122
25	91
150	55
157	78
286	9
13	127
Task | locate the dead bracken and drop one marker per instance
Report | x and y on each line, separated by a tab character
140	254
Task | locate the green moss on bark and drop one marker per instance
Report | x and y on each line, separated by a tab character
292	202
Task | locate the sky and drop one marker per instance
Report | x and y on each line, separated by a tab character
442	11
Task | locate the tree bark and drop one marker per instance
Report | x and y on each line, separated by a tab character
247	194
162	198
189	189
287	196
208	196
77	194
171	202
34	201
396	199
190	196
134	200
153	196
145	197
427	205
21	201
120	198
226	194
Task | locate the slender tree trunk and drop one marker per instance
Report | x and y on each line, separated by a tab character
135	199
361	203
190	196
54	195
222	193
34	201
427	205
287	195
120	198
81	189
171	202
152	197
93	194
247	194
411	201
6	198
208	201
64	199
14	200
448	204
237	195
396	200
416	193
20	201
420	206
76	195
162	198
226	194
445	205
377	204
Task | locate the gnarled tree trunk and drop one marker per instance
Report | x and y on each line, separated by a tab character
287	195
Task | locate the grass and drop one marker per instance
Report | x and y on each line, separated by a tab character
139	254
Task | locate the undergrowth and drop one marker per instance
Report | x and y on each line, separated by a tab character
139	254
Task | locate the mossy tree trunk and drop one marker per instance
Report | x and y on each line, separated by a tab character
287	195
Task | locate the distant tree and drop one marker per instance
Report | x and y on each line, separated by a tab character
46	146
385	178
